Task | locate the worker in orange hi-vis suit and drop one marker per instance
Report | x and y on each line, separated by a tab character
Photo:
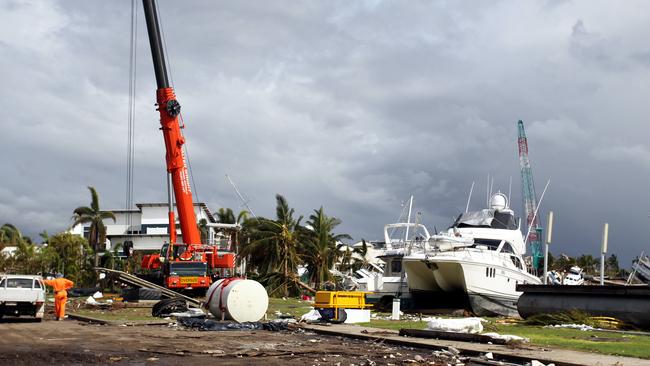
60	285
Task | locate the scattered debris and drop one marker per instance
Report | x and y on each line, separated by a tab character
583	327
311	316
166	307
213	325
508	338
213	352
452	336
466	325
190	313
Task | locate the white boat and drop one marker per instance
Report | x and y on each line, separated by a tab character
574	277
641	269
387	280
480	255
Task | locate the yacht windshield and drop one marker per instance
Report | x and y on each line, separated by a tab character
491	244
487	218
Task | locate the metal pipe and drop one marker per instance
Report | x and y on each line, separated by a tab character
408	220
157	52
170	197
549	233
469	198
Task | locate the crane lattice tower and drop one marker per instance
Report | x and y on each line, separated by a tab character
530	199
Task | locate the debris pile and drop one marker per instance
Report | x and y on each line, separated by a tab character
213	325
466	325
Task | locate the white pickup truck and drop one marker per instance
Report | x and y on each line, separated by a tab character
22	295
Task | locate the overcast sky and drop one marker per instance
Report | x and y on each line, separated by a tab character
353	105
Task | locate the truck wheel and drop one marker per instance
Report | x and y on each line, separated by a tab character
342	316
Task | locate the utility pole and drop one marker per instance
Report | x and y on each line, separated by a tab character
602	254
549	233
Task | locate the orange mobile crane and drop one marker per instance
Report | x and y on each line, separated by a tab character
192	264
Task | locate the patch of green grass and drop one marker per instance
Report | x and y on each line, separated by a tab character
593	341
590	341
294	307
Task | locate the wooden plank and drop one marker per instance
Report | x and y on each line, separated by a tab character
451	336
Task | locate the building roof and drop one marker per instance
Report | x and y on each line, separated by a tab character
162	204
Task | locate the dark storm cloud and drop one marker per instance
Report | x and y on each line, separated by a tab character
349	105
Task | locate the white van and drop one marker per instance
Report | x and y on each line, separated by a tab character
22	295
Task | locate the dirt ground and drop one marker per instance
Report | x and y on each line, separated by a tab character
76	343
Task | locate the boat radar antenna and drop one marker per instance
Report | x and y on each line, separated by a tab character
244	201
499	201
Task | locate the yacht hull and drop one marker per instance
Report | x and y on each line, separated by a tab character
490	288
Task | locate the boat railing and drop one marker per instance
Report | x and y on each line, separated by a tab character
409	246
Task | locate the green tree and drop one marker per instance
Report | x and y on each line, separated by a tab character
562	263
319	249
73	257
274	248
111	259
26	258
95	217
611	266
588	263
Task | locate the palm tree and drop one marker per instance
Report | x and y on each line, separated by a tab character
320	246
112	258
352	259
95	217
10	235
226	216
44	236
274	248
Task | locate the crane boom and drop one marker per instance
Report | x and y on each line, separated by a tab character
530	198
170	109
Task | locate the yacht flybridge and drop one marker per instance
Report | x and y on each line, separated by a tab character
480	255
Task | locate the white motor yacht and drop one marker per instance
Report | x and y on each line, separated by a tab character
481	254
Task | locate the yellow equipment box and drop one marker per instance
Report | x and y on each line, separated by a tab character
341	299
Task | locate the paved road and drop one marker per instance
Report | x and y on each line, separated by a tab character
75	343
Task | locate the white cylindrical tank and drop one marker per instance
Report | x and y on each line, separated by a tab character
237	299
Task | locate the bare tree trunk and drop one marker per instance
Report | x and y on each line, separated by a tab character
96	247
286	271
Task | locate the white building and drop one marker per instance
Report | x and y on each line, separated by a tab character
8	251
147	226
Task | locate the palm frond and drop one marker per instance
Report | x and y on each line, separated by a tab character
94	203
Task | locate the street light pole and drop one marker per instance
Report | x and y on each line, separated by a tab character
602	254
